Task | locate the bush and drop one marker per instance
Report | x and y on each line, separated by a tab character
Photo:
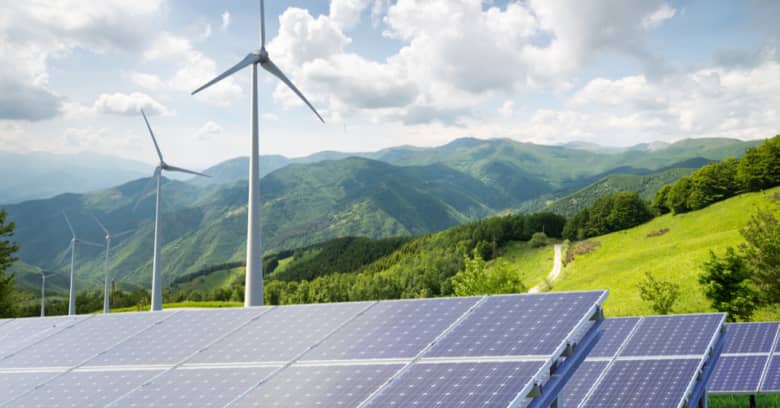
538	240
478	279
727	283
661	294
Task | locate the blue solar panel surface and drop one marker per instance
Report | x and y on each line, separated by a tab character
483	384
750	337
679	335
73	345
737	374
392	329
320	386
21	333
12	385
517	325
772	379
85	389
196	387
613	335
582	381
280	334
644	383
177	337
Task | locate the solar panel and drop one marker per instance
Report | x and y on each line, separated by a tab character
320	386
648	362
177	337
280	334
21	333
213	387
517	325
398	329
644	383
78	389
12	385
579	385
478	384
750	337
737	374
5	321
772	378
675	335
75	344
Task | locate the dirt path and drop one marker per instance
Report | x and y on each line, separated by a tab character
556	269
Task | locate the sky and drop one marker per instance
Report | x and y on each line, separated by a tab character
383	73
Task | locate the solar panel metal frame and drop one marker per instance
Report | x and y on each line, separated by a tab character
696	389
769	355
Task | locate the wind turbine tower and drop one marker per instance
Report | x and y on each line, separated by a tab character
107	284
74	242
44	275
157	177
253	295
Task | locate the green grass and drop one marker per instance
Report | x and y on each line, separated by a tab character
623	257
189	304
218	279
534	263
740	401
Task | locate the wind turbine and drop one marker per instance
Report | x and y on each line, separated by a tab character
107	285
43	292
157	176
253	295
74	242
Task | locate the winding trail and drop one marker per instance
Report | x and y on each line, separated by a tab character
556	269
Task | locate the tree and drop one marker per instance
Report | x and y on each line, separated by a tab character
759	167
727	283
712	183
762	252
478	279
677	198
538	240
659	201
7	250
661	294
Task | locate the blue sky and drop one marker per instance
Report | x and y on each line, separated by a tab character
385	73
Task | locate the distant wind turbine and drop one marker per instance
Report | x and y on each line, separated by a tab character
253	295
107	284
44	275
157	176
74	242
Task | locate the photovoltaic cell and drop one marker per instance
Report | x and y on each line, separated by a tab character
644	383
281	334
214	387
517	325
13	385
86	389
392	329
673	335
75	344
750	337
320	386
581	382
614	333
486	384
737	374
5	321
22	332
772	379
177	337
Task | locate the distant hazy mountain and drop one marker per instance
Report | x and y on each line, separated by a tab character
34	175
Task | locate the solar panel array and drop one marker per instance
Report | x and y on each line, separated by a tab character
486	351
646	362
750	363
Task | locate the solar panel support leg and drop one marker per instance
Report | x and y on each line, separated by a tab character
752	401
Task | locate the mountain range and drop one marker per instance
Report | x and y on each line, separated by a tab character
392	192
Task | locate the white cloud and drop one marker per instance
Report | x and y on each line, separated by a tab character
147	81
655	19
208	131
506	109
225	20
206	32
123	104
346	13
270	116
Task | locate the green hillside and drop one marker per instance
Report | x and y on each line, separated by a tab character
620	259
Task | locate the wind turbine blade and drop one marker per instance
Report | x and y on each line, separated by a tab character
154	139
90	243
147	188
181	170
70	227
103	227
273	69
62	256
248	60
262	24
123	233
